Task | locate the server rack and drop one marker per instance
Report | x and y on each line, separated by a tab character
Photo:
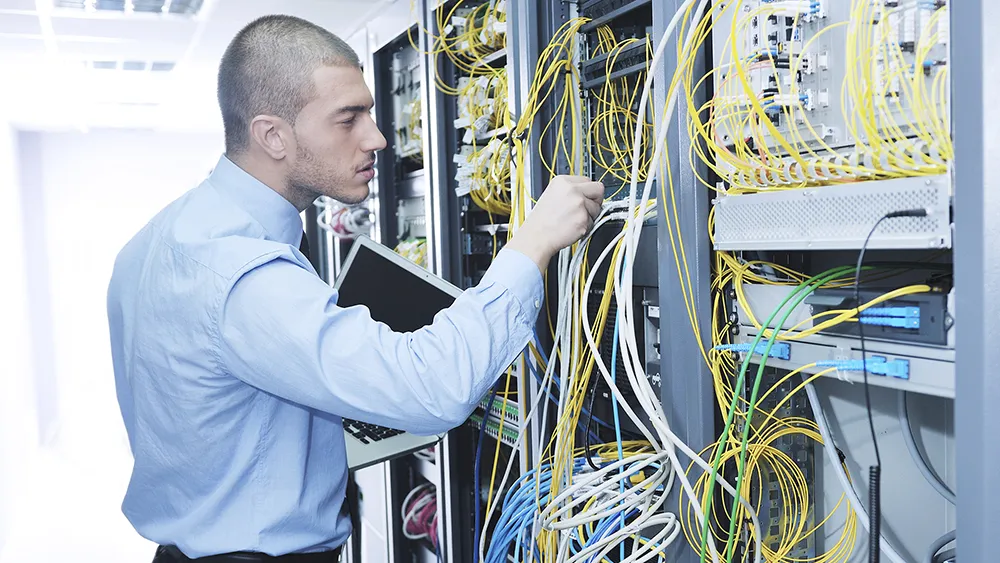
465	121
402	183
687	391
405	220
686	387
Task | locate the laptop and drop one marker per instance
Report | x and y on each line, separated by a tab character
405	297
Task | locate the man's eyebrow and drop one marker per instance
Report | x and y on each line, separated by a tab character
358	108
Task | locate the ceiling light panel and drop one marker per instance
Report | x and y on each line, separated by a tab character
131	65
176	7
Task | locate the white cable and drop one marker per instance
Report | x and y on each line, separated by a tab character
634	229
416	508
608	214
600	483
665	432
623	290
845	483
345	222
932	478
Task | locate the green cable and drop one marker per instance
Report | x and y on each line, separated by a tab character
810	284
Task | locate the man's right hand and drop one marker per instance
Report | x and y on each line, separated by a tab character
563	215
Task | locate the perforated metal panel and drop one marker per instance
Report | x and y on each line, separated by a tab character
837	217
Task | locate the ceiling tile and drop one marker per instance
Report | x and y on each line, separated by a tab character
18	5
19	23
139	29
21	46
127	50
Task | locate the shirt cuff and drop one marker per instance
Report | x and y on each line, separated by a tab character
520	275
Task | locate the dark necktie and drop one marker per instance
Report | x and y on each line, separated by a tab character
304	247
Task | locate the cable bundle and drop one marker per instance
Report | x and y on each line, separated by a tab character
617	518
428	454
573	505
614	113
420	514
410	138
482	104
749	442
467	37
346	222
414	250
894	109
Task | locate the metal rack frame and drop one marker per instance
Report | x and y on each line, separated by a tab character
975	89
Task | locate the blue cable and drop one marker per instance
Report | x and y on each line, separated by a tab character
518	515
618	428
479	457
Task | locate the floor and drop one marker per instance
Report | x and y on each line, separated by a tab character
74	512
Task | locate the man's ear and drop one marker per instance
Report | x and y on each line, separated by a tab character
273	135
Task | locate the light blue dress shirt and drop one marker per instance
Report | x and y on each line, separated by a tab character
234	365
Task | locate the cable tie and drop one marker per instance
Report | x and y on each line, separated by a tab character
842	376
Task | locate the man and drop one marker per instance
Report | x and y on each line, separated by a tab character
232	361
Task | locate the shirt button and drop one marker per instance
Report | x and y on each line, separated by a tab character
537	304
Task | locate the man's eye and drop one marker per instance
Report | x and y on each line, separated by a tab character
349	121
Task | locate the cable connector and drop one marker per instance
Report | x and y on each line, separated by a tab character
918	212
876	365
779	350
896	317
908	312
912	323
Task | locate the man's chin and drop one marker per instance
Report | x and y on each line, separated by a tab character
353	195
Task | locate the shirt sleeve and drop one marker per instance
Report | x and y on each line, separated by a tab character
281	331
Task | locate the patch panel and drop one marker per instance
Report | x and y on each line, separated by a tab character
875	365
407	110
913	365
780	350
472	75
601	12
611	66
510	431
401	182
481	244
790	48
919	318
510	412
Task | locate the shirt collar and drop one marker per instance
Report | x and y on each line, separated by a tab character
278	217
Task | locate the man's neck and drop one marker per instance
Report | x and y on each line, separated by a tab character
273	179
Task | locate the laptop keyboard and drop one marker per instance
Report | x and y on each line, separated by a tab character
369	433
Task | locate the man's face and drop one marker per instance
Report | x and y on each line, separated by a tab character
336	137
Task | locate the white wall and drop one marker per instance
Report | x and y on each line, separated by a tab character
86	194
81	197
391	21
18	431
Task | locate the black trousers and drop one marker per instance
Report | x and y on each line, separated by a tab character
170	554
